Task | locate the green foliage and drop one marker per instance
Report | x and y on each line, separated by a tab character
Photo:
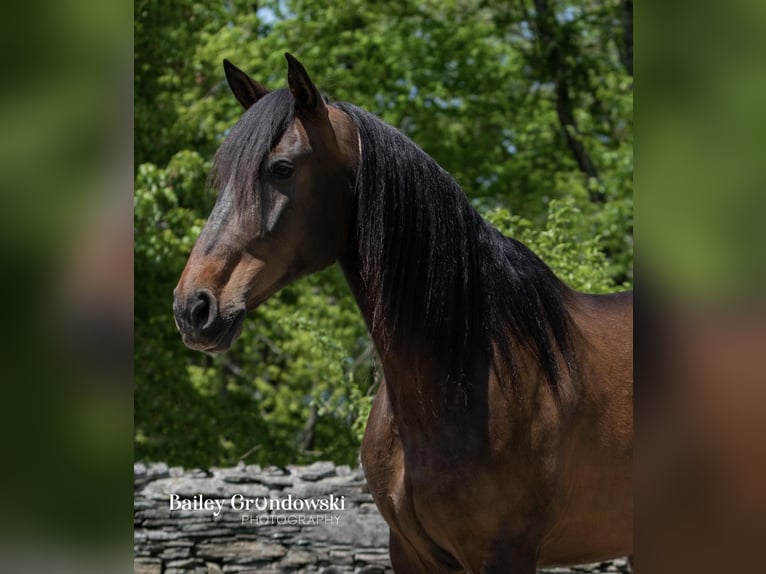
471	81
566	243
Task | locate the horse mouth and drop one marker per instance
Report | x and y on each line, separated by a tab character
230	332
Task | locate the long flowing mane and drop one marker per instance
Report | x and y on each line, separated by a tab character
440	278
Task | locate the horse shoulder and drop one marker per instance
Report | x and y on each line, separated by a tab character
381	453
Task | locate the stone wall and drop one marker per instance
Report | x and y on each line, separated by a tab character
349	537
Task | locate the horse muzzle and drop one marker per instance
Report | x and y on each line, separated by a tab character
202	325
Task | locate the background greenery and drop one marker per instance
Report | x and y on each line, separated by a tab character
528	104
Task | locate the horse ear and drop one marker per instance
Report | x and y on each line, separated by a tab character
245	89
307	97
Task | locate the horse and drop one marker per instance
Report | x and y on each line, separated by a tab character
501	436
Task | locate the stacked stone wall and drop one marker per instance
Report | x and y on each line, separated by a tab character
225	537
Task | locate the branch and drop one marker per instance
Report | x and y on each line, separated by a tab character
557	71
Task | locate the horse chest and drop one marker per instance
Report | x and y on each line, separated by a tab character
440	494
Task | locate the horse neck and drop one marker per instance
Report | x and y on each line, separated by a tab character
415	380
417	387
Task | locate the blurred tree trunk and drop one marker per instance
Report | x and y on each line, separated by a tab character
626	49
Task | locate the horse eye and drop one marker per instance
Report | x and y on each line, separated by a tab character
282	169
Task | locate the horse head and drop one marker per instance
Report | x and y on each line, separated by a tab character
285	179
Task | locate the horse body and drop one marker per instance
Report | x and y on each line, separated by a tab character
596	519
517	484
501	437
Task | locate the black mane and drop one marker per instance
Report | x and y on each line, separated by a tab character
439	275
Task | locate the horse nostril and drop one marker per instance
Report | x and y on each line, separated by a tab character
203	310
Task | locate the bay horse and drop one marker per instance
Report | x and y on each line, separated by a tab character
501	437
